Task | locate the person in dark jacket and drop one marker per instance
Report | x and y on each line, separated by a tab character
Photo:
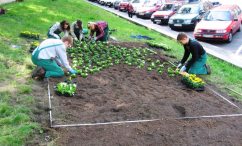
130	9
101	29
76	30
197	63
57	28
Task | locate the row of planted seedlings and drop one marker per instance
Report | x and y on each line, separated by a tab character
89	57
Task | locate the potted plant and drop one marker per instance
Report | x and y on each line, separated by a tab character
33	45
193	82
66	89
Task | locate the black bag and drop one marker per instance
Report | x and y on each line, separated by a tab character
2	11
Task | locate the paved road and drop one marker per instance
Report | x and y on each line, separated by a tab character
6	1
225	51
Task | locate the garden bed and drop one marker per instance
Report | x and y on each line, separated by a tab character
125	93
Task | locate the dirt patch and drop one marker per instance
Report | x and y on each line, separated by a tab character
125	93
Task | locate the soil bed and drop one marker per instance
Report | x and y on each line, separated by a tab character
125	93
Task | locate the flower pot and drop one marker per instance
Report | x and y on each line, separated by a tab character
189	86
31	50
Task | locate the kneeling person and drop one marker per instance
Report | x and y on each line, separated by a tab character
196	64
47	52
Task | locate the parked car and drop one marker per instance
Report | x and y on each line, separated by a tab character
93	0
123	5
166	11
220	23
139	3
110	2
150	8
188	15
117	3
102	2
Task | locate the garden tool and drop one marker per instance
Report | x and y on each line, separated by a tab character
182	73
173	64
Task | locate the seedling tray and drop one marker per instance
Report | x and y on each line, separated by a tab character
65	94
189	86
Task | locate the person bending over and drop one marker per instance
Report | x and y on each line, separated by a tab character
101	29
48	54
57	28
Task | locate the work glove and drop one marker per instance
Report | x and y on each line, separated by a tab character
179	65
89	37
73	71
183	68
95	38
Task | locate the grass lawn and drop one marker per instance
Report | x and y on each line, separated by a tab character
16	100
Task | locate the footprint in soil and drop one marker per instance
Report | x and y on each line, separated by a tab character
181	110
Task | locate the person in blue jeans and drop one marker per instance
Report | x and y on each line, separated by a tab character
197	63
48	54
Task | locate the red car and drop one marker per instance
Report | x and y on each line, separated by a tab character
220	23
166	11
150	8
123	5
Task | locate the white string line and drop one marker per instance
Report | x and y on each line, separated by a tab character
224	98
49	102
141	121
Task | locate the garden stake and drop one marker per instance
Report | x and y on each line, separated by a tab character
49	102
233	91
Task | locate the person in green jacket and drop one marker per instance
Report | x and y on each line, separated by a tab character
57	28
197	63
76	30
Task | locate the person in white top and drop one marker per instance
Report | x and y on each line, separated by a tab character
57	28
76	30
48	53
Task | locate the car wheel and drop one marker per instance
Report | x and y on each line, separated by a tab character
154	22
230	38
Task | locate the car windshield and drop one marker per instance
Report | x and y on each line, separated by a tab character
189	10
217	16
167	7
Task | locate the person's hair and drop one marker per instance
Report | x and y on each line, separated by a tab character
90	24
79	23
67	38
181	36
63	24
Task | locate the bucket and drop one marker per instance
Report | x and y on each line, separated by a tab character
85	31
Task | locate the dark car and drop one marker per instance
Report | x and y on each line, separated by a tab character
188	16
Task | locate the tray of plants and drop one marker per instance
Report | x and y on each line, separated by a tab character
157	45
67	89
193	82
